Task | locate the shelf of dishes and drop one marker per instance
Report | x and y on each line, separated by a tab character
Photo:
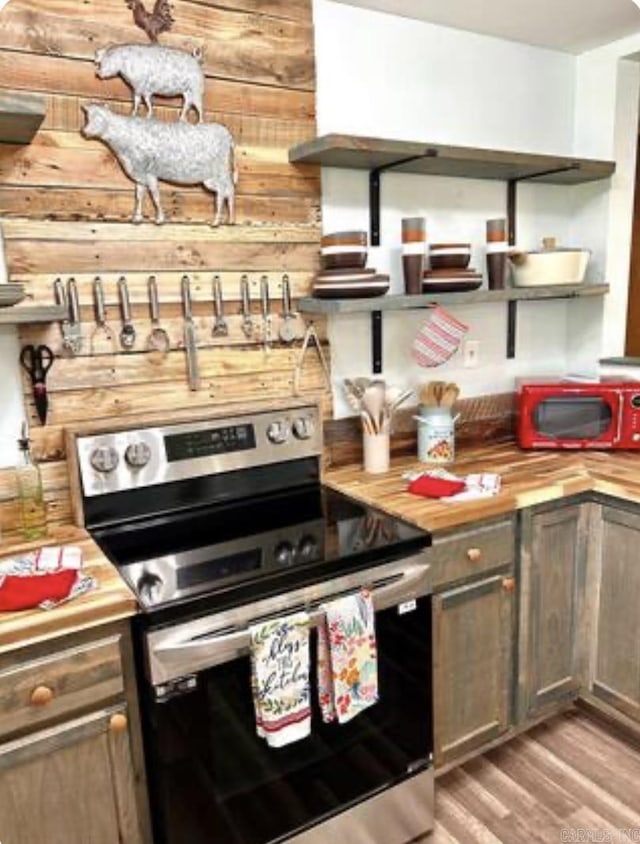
31	314
14	311
403	302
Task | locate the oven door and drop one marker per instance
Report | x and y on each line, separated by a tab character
213	779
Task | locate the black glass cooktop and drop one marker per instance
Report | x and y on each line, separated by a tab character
225	555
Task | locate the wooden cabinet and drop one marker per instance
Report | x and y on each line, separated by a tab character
473	664
615	664
551	591
71	784
71	767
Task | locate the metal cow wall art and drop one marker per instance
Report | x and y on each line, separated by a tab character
182	153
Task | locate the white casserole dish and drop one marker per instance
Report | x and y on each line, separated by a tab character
549	267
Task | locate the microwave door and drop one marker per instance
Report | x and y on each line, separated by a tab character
578	418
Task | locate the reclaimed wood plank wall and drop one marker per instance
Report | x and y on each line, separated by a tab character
65	205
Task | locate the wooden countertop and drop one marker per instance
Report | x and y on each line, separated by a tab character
528	478
111	601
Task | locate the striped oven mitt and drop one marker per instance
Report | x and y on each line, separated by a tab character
438	338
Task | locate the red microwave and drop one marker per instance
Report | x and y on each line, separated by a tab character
574	414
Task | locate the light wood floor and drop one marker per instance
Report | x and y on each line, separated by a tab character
571	773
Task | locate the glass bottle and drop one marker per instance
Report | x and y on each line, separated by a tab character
30	492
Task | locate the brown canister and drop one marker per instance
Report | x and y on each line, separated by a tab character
414	239
497	247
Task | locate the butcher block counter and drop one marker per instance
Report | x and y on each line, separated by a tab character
111	601
528	478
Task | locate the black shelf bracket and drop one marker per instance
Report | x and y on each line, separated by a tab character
374	190
376	342
512	234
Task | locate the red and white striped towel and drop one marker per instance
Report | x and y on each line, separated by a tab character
438	338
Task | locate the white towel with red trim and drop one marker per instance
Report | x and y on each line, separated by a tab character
280	679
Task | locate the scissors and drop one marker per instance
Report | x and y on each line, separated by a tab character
37	361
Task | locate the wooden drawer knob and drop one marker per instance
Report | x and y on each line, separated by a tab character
474	555
118	723
41	696
509	584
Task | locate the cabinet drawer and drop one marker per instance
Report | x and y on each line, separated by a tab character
468	553
42	690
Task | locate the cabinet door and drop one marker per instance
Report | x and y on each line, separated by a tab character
473	635
71	784
552	583
616	662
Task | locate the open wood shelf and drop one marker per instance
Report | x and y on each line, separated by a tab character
378	156
357	153
401	303
29	314
21	116
511	296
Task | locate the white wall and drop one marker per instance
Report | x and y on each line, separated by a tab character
386	76
11	407
607	105
393	77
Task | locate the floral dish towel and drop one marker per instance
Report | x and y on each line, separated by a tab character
347	658
280	679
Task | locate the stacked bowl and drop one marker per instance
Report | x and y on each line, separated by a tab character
344	274
11	294
450	272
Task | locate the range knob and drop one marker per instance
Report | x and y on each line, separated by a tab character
308	549
278	432
284	554
149	588
104	459
137	455
304	428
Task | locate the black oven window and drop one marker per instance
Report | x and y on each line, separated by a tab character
577	418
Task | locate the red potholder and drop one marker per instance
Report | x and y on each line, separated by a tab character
24	593
429	487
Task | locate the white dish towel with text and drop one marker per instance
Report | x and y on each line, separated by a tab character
280	679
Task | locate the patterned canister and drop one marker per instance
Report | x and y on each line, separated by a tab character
436	436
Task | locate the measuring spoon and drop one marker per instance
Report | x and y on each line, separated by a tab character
158	339
128	332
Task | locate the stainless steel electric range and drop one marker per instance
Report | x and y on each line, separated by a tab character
218	524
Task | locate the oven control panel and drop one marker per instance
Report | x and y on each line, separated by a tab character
146	457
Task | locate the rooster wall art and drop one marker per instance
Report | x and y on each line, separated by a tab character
153	23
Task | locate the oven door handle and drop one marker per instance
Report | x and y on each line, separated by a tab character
200	652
